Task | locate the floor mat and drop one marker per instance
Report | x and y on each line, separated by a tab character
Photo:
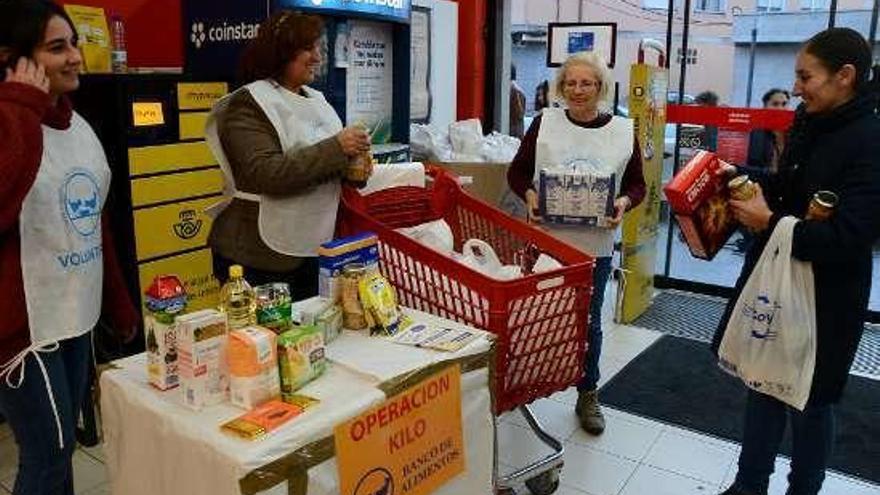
677	381
694	316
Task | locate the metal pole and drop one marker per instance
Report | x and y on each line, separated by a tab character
676	156
670	16
580	10
872	37
752	51
832	15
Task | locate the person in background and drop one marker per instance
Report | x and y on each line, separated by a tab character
765	146
542	95
284	152
584	130
517	106
57	258
832	145
710	133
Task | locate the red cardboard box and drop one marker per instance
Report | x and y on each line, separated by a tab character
698	197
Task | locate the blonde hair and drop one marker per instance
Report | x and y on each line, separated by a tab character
597	64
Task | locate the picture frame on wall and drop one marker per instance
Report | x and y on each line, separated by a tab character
567	38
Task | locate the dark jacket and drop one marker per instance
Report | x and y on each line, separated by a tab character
761	145
841	153
260	166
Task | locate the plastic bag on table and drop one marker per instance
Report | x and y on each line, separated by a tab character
466	137
770	339
430	143
499	148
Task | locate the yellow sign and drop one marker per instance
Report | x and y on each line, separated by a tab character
173	187
647	105
169	158
199	96
147	113
195	271
409	445
169	229
94	36
192	125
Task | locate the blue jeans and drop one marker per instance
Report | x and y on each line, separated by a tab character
44	468
601	273
812	435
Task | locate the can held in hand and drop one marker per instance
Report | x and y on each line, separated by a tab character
274	306
822	205
353	316
741	188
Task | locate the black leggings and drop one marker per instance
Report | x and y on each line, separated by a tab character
303	281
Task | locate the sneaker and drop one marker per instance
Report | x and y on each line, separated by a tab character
589	412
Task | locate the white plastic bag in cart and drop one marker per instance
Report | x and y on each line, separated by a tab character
770	339
480	256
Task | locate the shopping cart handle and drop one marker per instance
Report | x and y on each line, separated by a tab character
550	283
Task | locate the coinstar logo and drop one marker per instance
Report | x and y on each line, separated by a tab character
201	34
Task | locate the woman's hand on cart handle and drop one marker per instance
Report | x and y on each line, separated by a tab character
28	72
533	214
353	140
621	204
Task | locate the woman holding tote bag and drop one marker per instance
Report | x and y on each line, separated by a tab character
832	146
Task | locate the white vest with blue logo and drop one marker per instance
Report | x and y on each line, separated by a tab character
62	265
60	224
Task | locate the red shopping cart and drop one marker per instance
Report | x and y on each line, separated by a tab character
539	320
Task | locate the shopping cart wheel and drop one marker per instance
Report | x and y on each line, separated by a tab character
545	483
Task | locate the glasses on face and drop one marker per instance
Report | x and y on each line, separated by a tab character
582	84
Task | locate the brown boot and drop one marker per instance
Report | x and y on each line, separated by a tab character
589	412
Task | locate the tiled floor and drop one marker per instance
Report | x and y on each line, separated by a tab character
635	456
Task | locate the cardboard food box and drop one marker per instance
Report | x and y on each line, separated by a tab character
164	300
333	256
698	196
576	198
204	372
253	367
486	181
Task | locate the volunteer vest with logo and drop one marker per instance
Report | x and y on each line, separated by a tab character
607	149
61	259
293	225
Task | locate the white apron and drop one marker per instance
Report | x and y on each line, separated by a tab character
607	150
293	225
61	259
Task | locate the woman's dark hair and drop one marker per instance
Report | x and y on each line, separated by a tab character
707	98
22	27
837	47
773	91
281	38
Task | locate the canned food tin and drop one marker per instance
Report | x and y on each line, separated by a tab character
741	188
822	205
274	306
353	317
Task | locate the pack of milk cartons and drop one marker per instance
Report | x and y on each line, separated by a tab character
164	300
204	374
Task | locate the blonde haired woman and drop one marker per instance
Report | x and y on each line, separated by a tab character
584	130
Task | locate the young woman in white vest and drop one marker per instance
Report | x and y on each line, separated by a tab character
56	258
584	130
283	152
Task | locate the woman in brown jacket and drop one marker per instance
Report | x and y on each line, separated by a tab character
284	153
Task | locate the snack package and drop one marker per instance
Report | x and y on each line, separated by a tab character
253	370
698	196
333	256
270	416
164	300
321	312
300	358
380	305
330	323
204	374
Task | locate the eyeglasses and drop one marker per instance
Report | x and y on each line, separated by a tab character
582	84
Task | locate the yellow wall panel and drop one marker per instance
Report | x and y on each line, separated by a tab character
199	96
164	188
169	158
195	271
192	125
168	229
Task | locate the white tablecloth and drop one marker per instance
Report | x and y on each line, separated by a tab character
156	446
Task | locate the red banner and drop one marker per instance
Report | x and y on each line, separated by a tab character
734	119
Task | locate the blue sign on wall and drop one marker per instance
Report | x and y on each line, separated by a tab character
392	10
215	34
